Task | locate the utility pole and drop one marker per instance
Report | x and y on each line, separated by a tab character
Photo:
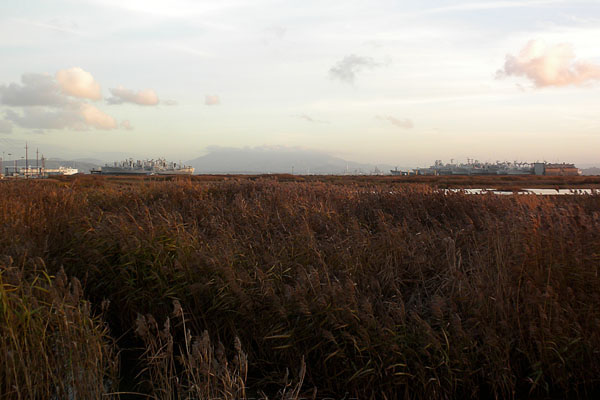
26	159
9	154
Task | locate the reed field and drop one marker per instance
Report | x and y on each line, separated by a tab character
297	288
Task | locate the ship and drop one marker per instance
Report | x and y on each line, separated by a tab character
56	171
475	167
159	166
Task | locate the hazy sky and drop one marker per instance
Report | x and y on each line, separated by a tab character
397	82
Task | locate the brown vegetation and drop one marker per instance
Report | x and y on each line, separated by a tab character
379	288
51	346
442	181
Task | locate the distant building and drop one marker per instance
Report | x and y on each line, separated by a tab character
396	171
563	169
539	168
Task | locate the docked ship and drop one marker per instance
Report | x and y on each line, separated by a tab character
56	171
474	167
144	167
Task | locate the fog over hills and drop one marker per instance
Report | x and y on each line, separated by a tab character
257	160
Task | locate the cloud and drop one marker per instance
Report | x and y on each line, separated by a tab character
549	65
34	90
78	83
46	101
311	119
57	102
125	124
212	100
40	118
78	117
96	118
400	123
5	126
346	69
146	97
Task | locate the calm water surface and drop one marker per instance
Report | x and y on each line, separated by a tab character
541	192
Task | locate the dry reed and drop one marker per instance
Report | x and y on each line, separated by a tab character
384	290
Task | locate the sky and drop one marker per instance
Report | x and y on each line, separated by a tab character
395	82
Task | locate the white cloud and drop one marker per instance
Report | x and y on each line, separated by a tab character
400	123
78	83
78	117
41	118
146	97
97	118
212	100
34	90
46	102
346	69
550	65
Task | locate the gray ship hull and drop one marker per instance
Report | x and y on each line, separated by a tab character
123	171
182	171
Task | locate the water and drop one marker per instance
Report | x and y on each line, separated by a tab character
540	192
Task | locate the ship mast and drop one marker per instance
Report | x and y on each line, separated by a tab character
26	160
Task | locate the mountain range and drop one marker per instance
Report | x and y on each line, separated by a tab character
259	160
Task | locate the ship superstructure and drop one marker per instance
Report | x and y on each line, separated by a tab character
475	167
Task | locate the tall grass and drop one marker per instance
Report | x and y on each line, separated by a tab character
380	290
52	348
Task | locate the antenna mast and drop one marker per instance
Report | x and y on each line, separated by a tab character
26	160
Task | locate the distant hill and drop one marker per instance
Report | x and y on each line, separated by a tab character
260	160
591	171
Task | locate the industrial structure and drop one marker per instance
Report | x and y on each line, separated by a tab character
474	167
14	170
